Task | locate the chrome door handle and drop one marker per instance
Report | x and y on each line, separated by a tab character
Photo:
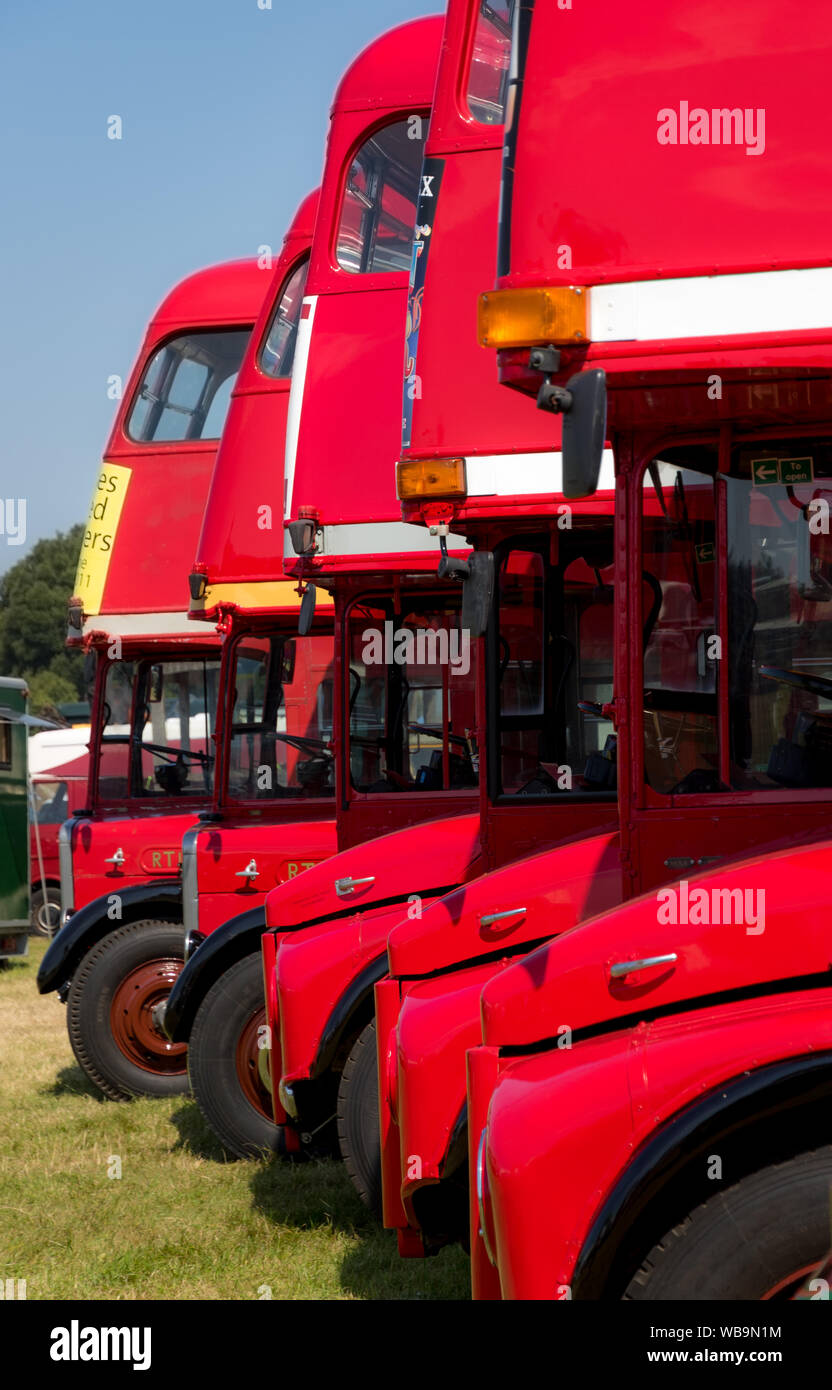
250	871
491	917
345	886
117	858
629	967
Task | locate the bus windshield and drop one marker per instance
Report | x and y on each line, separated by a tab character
550	666
157	727
738	666
281	718
411	697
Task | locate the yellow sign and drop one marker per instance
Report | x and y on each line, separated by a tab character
99	535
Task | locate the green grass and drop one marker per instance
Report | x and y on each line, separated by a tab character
181	1222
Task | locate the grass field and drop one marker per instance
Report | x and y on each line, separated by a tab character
180	1222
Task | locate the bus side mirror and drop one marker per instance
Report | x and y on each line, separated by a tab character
583	404
307	611
584	433
478	593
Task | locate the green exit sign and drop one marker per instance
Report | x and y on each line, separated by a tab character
796	470
765	472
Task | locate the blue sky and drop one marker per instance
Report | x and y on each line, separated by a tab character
224	108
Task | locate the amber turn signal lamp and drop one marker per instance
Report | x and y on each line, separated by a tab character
526	318
417	478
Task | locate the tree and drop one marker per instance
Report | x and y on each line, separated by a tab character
47	690
33	601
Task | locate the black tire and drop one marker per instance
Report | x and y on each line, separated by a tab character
754	1241
228	1015
111	1030
45	911
358	1120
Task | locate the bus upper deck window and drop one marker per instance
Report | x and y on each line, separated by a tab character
378	214
278	350
186	387
490	55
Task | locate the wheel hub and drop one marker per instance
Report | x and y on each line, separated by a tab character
47	918
253	1065
133	1021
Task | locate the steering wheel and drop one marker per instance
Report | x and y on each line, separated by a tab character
816	685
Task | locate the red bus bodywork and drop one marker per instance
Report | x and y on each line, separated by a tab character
152	847
131	595
348	334
323	973
427	1009
239	585
360	545
653	1046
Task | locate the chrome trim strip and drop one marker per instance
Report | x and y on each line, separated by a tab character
303	343
190	884
480	1175
711	306
146	625
65	868
376	538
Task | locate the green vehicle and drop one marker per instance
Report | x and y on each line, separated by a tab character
14	819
